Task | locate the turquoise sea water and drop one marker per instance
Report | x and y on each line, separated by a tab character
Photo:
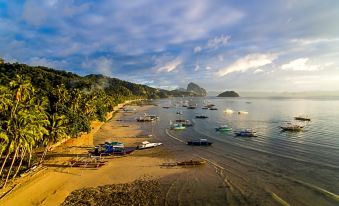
300	168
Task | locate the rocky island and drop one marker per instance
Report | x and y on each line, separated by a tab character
228	94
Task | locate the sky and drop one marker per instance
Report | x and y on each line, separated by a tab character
242	45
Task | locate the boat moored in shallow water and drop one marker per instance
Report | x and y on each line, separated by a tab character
302	118
246	133
223	128
289	126
201	116
200	142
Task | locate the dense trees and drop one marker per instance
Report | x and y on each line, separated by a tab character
40	106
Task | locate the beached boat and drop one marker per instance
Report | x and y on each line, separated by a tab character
246	133
302	118
201	116
228	111
289	126
115	144
147	145
242	112
191	163
223	128
104	150
200	142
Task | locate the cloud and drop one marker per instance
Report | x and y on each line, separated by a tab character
301	64
169	66
310	41
217	42
250	61
197	49
101	65
258	71
213	43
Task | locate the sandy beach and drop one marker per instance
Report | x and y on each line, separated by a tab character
52	184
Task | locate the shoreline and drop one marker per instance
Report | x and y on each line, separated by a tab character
53	184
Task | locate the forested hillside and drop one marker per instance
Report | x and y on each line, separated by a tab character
39	106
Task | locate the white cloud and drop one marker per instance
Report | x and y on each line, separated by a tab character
169	66
250	61
308	41
197	49
258	71
102	65
218	41
213	43
301	64
197	67
208	68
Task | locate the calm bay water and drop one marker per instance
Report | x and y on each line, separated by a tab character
298	168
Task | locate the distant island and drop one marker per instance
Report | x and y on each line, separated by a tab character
228	94
192	90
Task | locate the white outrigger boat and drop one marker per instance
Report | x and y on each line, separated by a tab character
177	126
147	145
242	112
228	111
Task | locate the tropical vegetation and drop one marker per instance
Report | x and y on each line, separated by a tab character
40	106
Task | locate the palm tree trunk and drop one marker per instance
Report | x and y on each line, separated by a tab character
30	156
4	163
23	153
10	169
44	154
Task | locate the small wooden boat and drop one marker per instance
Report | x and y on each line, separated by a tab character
246	133
223	128
292	127
302	118
177	126
166	107
213	108
242	112
201	142
201	116
191	163
228	111
147	145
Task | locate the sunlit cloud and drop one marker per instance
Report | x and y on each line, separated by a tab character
169	66
250	61
301	64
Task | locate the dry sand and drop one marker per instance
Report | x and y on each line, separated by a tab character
52	185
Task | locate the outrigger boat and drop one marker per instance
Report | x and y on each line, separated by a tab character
191	163
302	118
201	142
246	133
147	145
177	126
223	128
242	112
201	116
292	127
228	111
106	150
